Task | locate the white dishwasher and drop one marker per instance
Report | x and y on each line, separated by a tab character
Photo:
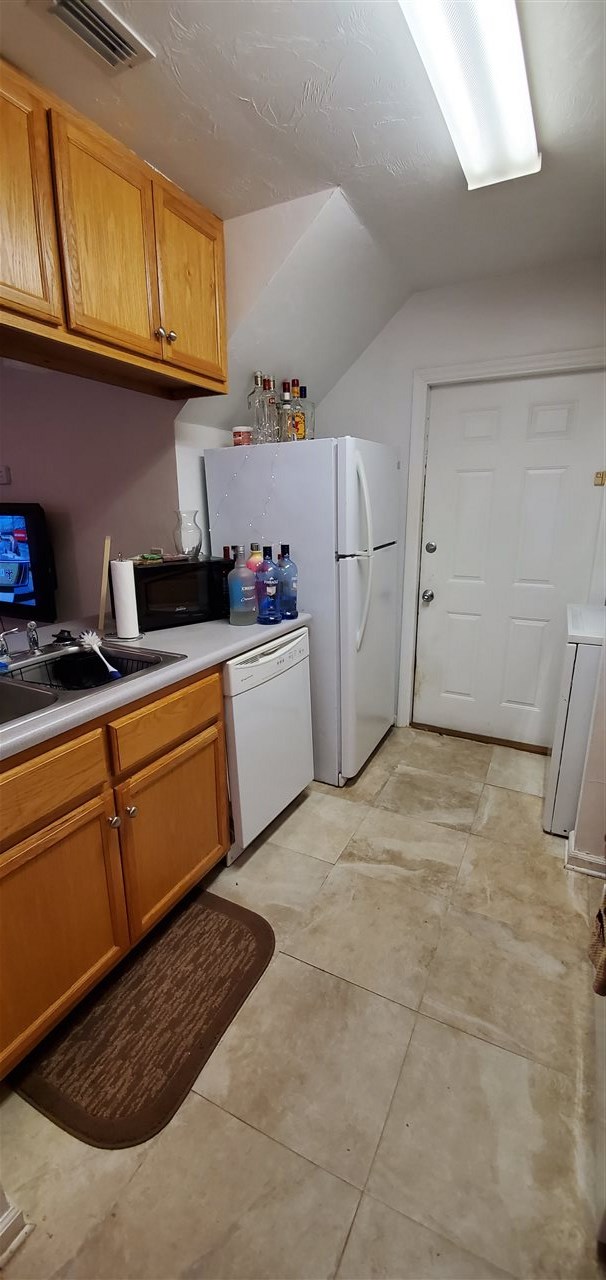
268	730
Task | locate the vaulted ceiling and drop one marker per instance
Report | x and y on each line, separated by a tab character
253	102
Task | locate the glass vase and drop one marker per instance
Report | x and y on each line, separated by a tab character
188	534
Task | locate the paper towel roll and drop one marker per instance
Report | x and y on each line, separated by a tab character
125	600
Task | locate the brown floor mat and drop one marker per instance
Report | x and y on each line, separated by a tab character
116	1070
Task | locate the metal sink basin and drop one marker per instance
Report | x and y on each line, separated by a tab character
17	699
73	672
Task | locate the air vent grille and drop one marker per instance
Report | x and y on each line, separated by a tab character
104	33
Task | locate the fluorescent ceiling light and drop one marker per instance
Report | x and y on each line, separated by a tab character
472	53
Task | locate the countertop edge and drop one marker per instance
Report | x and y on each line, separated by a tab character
42	726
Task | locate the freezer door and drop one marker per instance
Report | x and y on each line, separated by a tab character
368	489
368	654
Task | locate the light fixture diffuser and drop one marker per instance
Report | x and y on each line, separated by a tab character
472	53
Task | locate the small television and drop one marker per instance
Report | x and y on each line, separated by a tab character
27	566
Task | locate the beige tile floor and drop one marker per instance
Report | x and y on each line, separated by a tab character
405	1094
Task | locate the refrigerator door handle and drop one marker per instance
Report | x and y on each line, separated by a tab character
361	474
366	610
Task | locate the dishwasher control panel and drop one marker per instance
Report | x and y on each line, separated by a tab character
265	662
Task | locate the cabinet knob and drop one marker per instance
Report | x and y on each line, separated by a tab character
115	821
161	332
171	336
132	810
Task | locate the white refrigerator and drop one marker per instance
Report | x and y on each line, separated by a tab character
337	503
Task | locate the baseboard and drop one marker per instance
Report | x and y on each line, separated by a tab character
480	737
576	860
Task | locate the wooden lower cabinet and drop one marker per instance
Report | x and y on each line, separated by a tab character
174	825
63	922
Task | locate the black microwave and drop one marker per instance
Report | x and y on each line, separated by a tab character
175	593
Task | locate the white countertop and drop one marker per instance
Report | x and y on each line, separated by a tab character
206	644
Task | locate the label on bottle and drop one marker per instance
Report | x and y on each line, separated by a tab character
242	595
271	589
299	424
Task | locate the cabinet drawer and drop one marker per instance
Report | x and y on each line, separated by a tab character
150	730
33	793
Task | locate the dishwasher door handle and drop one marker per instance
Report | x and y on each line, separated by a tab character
264	658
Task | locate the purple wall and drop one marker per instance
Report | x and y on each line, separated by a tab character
100	460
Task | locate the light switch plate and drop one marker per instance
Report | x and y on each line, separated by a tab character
599	477
5	475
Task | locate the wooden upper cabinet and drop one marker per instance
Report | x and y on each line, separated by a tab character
191	272
30	278
106	226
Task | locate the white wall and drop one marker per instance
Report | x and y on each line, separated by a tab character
555	309
100	460
551	310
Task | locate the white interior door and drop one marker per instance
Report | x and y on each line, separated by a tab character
367	590
512	509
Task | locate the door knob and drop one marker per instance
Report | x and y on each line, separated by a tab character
114	822
431	547
161	332
171	336
427	597
132	810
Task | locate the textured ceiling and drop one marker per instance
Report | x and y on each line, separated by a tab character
251	102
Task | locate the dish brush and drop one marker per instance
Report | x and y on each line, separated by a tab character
90	640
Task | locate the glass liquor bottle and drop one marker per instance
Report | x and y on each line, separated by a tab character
253	399
287	422
309	410
272	422
255	557
298	412
242	593
268	583
289	582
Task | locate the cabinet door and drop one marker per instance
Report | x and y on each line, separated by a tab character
191	273
174	826
106	226
62	922
30	278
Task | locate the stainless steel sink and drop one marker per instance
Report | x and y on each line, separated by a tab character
17	699
72	671
65	673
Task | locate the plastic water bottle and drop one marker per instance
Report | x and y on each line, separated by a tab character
268	583
242	593
289	581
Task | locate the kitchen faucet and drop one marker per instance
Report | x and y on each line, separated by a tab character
33	643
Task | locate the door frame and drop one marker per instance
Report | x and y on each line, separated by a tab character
584	360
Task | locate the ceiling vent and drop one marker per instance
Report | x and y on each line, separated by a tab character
105	34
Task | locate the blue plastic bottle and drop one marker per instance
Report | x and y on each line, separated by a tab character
289	581
268	582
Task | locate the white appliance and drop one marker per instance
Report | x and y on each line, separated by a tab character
336	502
268	731
585	636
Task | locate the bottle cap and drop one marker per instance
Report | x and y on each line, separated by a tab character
303	393
286	386
266	384
267	553
285	548
295	382
258	376
254	546
272	384
227	553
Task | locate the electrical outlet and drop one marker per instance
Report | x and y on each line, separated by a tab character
5	475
